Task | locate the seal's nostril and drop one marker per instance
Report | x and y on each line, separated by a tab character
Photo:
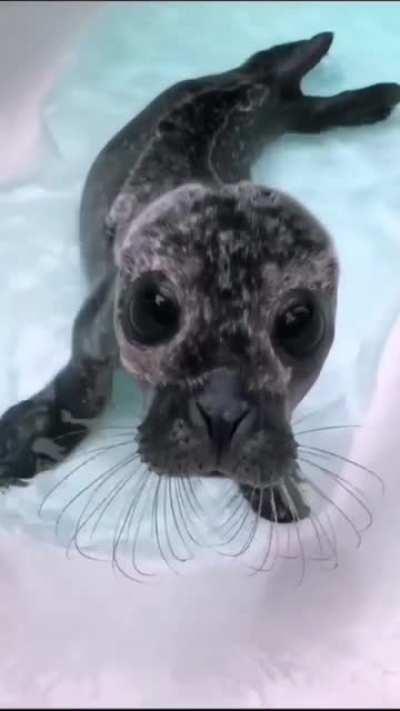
237	423
206	418
221	430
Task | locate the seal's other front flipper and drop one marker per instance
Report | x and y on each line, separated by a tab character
38	433
286	64
371	104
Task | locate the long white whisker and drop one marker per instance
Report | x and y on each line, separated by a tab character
104	504
326	498
98	452
325	429
261	567
342	458
345	486
295	516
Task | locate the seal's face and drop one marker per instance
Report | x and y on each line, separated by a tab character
226	306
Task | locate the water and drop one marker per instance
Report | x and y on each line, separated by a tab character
349	179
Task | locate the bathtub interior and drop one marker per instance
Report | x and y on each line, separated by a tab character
76	631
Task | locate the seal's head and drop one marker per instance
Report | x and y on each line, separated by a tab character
226	306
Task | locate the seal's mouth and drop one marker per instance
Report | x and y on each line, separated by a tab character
280	502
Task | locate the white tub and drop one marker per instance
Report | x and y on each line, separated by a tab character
72	632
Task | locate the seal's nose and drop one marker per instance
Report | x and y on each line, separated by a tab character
221	407
221	427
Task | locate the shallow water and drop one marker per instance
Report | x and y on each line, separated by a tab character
221	633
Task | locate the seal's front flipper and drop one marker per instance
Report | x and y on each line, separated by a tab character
313	114
39	432
277	504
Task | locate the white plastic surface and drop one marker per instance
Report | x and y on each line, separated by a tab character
73	631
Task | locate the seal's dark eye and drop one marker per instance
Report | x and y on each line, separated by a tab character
299	328
150	312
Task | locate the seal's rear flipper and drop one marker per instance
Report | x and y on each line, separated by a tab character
312	114
286	64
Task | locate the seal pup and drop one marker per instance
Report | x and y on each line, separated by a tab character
216	294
